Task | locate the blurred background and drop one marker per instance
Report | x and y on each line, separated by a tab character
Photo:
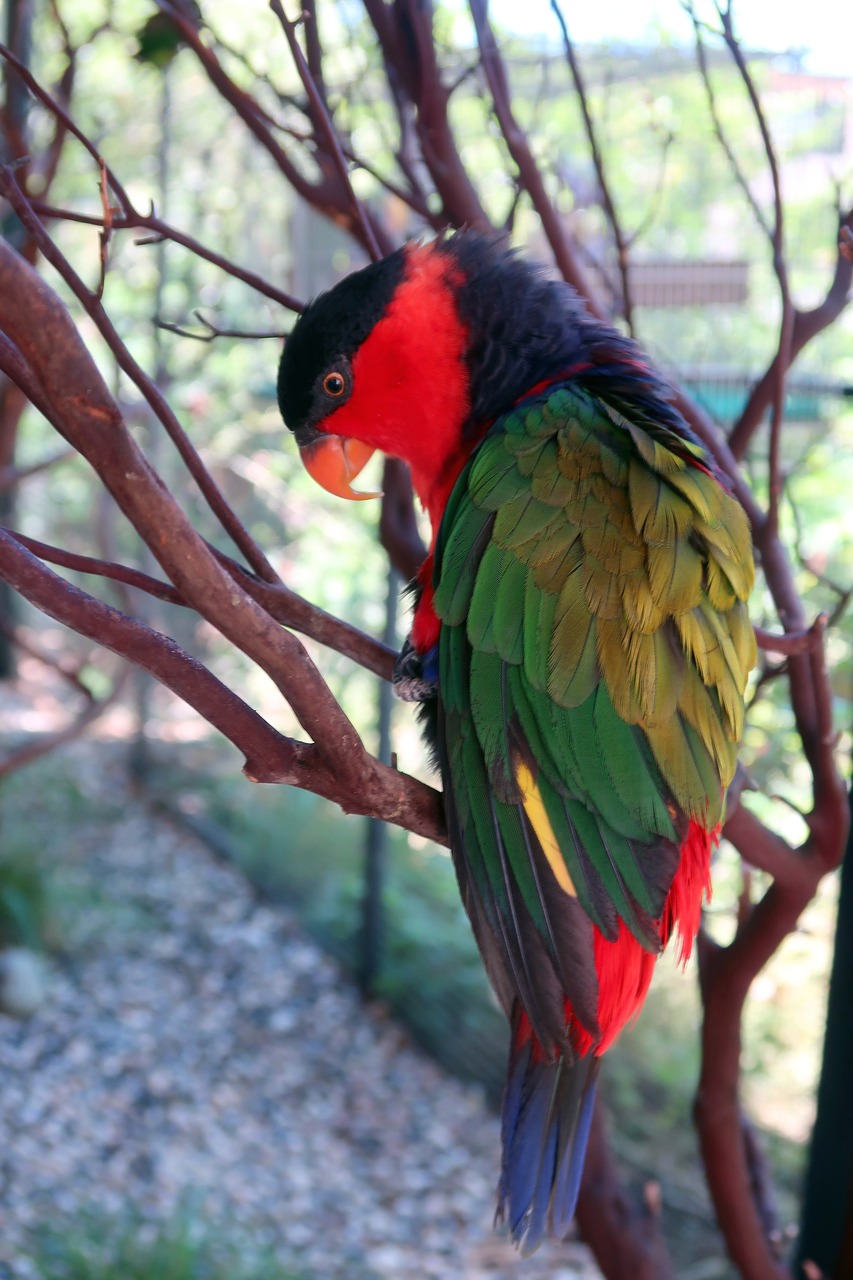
125	851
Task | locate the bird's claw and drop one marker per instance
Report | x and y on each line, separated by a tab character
410	681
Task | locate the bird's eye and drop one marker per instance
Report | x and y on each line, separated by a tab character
334	384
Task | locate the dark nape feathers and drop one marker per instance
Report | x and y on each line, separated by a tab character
527	327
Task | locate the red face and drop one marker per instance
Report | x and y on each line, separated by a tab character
407	384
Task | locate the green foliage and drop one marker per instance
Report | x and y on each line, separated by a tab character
23	901
104	1247
46	812
160	40
29	908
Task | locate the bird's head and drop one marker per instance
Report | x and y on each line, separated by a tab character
418	354
378	362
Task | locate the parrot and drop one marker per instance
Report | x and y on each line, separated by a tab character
580	644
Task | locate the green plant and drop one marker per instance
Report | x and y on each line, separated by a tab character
24	909
101	1247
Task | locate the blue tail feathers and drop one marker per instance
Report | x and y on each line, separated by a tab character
546	1115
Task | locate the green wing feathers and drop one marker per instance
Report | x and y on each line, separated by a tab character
591	578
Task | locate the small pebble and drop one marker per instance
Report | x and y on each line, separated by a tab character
23	982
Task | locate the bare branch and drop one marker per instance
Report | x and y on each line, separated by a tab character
269	755
624	1236
720	132
212	331
601	172
26	644
18	757
131	219
807	325
329	194
280	602
405	36
28	309
792	641
322	122
314	48
777	238
727	973
11	477
412	196
263	747
519	148
102	568
150	391
398	528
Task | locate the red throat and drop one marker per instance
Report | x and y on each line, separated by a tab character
410	381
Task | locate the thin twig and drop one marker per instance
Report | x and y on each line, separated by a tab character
322	119
519	148
19	757
719	130
132	219
213	331
777	239
413	198
130	216
15	635
106	230
11	477
600	169
327	194
95	309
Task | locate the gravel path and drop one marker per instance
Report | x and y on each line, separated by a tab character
196	1044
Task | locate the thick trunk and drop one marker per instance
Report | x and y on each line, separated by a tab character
826	1234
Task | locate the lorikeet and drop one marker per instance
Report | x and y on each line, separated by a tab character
580	643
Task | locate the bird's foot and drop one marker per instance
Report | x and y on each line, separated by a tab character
413	679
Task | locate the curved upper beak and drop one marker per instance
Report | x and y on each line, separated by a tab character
334	462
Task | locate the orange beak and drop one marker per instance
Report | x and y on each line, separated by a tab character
334	462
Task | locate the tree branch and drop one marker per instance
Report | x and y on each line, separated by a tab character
624	1236
19	757
566	259
807	325
598	162
269	755
90	420
152	393
288	608
319	114
405	35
